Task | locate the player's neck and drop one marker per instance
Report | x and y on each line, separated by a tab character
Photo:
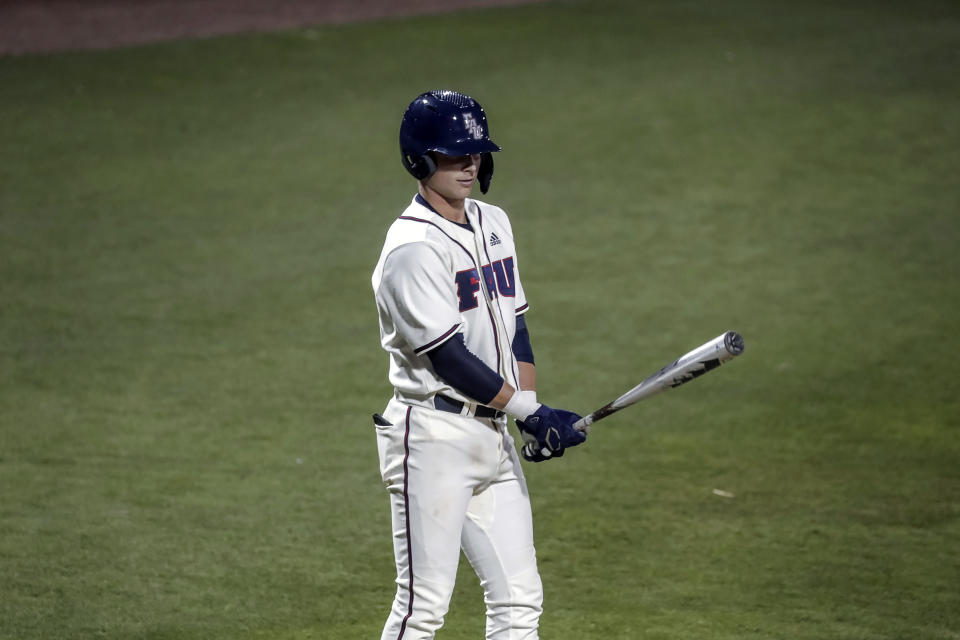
452	210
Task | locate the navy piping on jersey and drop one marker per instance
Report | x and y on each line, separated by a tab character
434	343
434	224
522	309
483	238
496	337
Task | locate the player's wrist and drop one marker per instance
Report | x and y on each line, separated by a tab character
522	404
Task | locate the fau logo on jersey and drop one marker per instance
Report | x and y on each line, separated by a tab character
499	277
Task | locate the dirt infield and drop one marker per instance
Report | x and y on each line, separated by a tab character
57	25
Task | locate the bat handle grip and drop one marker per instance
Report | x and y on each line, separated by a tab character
583	424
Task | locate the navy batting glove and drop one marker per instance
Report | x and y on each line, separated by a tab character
548	432
570	436
531	452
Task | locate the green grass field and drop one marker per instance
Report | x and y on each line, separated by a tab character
188	342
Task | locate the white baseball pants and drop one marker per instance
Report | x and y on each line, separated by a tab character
455	482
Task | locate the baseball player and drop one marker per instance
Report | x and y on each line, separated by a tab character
451	307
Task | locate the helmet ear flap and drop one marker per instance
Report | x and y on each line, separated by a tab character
429	164
485	172
420	167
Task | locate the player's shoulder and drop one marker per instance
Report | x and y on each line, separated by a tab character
406	246
404	231
412	225
414	232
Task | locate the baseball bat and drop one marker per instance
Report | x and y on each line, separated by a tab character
693	364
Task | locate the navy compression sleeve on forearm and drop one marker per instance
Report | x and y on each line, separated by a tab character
521	342
464	371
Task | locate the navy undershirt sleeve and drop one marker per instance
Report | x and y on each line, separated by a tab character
521	342
464	371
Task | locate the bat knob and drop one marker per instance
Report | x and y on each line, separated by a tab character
733	342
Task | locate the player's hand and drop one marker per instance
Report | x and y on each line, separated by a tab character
548	432
533	452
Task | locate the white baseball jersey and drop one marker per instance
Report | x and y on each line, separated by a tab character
436	278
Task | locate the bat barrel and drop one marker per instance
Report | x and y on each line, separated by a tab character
694	364
733	342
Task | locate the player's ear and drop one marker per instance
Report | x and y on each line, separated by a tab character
485	172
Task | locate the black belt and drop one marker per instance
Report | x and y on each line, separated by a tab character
443	403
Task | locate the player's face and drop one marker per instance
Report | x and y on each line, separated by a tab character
455	176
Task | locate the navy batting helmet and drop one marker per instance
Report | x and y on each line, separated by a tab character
446	122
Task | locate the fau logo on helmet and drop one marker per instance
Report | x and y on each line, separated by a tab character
473	127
